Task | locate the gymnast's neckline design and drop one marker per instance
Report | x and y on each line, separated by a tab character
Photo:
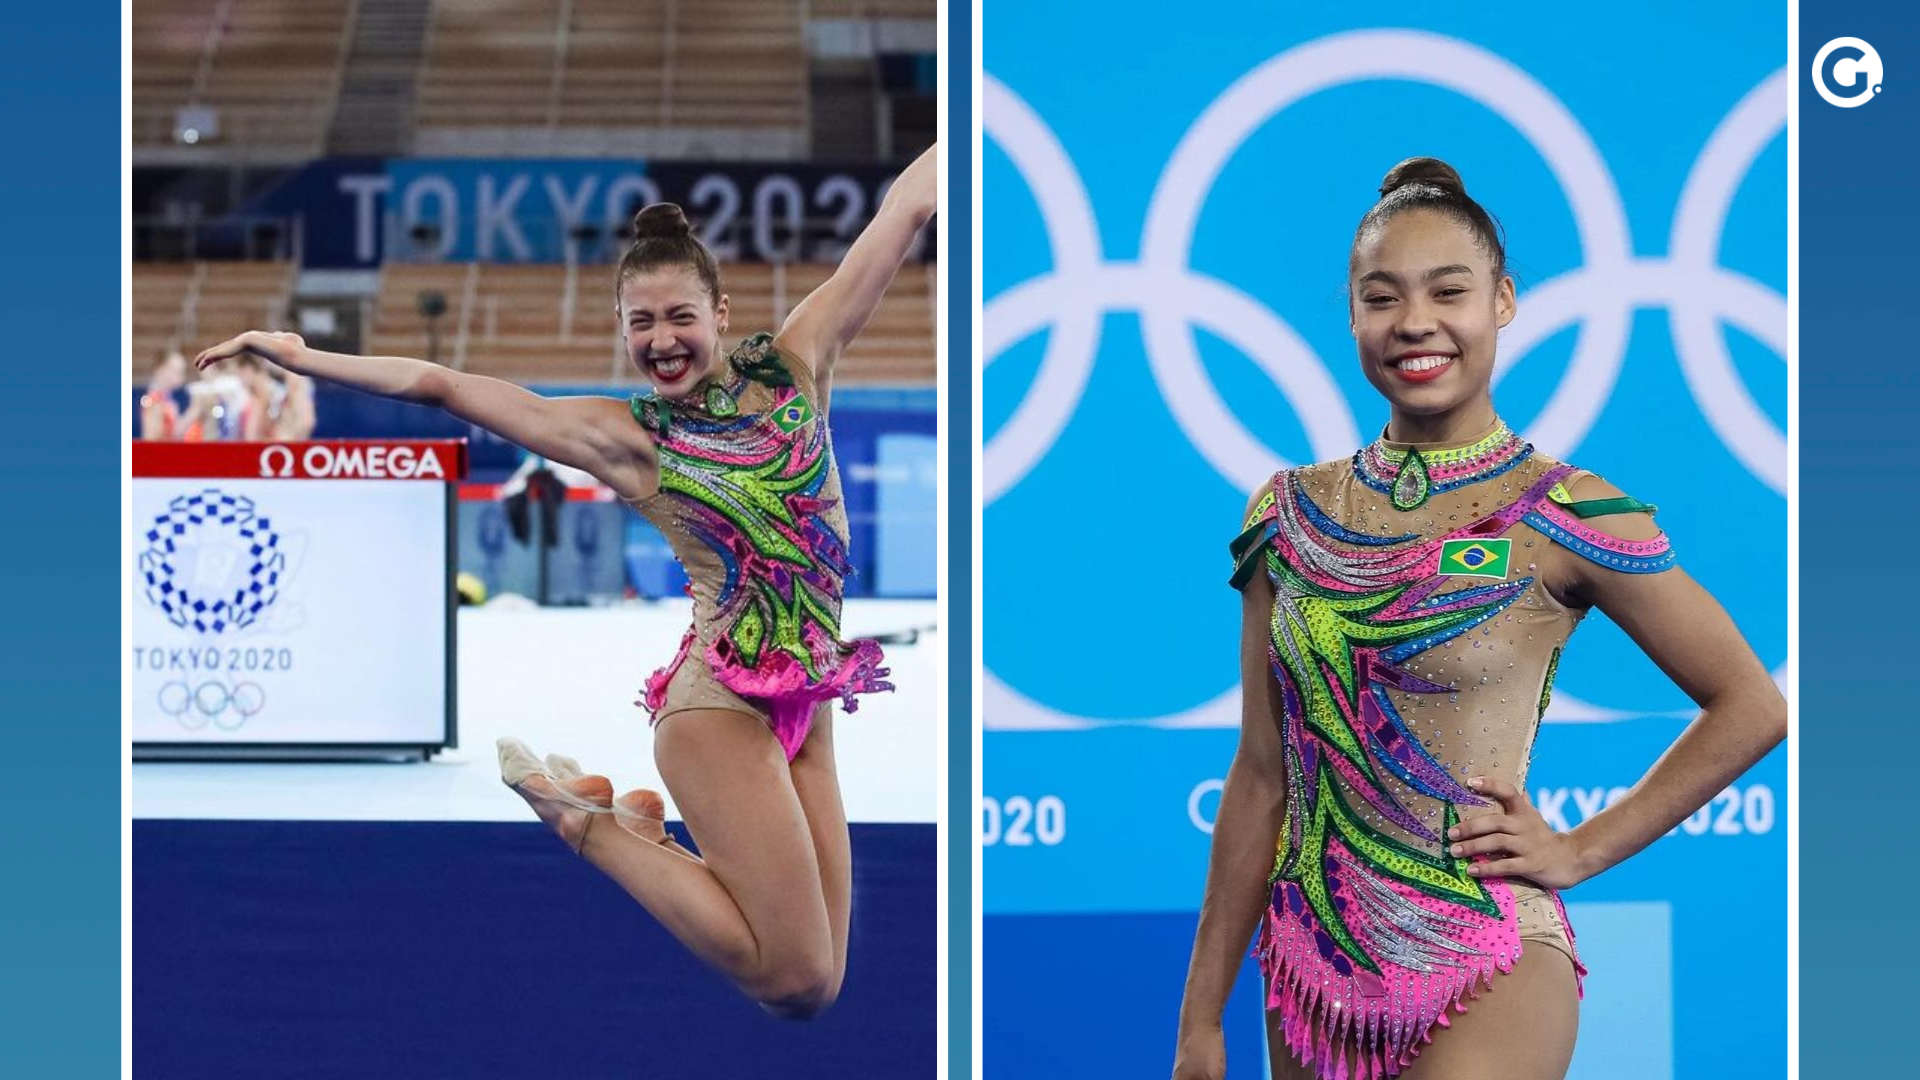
1412	473
750	501
1373	932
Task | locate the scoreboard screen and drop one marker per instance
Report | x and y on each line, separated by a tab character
292	595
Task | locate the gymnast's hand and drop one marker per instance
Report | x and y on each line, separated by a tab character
1521	841
283	349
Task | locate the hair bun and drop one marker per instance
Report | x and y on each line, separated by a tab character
662	220
1423	170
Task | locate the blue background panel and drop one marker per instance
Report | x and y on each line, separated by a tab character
1084	970
60	464
1859	228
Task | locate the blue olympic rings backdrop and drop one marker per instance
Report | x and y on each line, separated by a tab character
1169	204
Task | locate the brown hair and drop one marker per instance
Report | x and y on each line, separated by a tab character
662	237
1424	183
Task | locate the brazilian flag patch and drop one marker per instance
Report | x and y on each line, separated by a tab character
1475	558
794	415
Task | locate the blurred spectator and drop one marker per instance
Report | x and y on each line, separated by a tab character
159	415
257	401
217	409
202	420
295	417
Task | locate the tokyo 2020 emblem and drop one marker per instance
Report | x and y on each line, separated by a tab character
211	562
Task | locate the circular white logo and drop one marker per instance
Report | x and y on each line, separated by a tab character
1847	72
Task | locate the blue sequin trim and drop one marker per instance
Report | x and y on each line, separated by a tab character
1394	765
1613	560
819	481
1419	645
1333	528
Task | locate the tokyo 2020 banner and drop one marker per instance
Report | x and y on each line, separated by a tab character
1169	206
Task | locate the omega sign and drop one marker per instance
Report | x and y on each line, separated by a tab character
321	462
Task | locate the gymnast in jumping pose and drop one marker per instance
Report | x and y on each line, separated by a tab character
1403	616
729	454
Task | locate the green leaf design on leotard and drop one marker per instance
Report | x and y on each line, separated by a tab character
1546	688
1315	629
1441	876
771	620
748	633
748	496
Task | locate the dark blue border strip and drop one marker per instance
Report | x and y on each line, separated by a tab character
1859	230
60	544
957	159
321	950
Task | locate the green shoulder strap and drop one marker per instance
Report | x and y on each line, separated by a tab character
1586	508
1624	504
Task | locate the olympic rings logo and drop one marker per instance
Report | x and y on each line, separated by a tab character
1172	298
226	707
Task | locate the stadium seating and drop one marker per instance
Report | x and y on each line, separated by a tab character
269	68
540	324
615	64
272	70
194	305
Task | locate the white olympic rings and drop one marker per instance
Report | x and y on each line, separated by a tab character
1171	297
193	706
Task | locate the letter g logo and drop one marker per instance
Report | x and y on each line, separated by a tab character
1847	72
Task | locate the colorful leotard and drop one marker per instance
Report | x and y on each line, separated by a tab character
1415	646
749	499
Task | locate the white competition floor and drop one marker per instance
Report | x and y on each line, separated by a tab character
565	679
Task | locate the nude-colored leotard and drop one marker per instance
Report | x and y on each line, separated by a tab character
1415	644
750	501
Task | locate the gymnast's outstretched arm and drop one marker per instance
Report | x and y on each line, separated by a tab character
596	434
826	322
